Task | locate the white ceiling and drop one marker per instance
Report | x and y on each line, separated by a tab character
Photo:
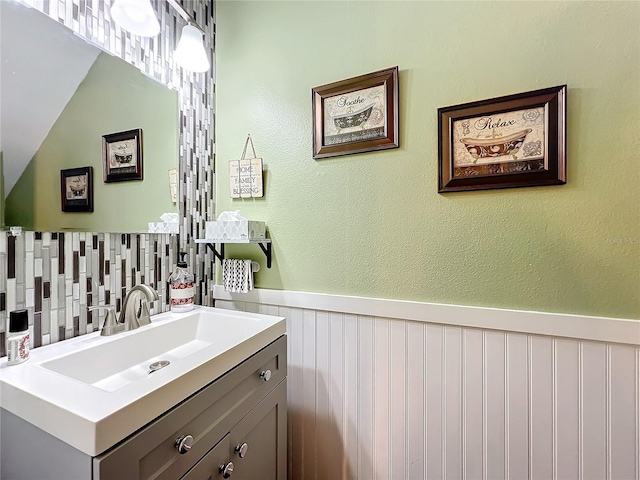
41	65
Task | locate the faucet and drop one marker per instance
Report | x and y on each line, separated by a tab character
110	325
135	307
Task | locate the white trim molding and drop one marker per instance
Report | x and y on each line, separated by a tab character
604	329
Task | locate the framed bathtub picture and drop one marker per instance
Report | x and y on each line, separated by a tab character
122	156
76	189
512	141
356	115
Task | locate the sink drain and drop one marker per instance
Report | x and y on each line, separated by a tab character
158	365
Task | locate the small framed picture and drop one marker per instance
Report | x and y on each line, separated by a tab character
356	115
513	141
122	156
76	189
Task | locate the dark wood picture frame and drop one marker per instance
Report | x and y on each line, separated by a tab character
356	115
76	189
122	156
513	141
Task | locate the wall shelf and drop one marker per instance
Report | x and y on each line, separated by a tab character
264	244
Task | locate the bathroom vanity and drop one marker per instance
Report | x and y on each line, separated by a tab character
230	424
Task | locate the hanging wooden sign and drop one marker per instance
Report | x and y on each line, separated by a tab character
245	175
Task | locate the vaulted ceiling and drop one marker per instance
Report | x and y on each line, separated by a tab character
41	65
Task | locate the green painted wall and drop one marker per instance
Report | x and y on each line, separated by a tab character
373	224
102	106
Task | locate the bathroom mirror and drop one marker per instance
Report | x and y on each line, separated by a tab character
59	97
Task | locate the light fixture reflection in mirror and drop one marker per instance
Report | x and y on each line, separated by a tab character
109	96
136	16
190	53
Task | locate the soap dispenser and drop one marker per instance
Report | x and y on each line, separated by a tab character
182	287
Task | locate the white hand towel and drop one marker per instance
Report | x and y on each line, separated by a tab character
237	275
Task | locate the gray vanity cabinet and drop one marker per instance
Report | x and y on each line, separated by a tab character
255	447
244	408
262	436
240	404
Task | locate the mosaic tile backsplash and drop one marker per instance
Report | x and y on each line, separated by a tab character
57	275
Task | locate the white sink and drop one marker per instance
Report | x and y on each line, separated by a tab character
93	391
126	359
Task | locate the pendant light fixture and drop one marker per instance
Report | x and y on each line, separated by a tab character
136	16
190	53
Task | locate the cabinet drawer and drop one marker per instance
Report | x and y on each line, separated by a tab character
207	416
209	467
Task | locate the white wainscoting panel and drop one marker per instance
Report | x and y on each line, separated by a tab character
386	397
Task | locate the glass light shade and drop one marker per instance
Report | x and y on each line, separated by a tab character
136	16
190	53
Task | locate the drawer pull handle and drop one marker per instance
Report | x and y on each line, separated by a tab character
242	449
226	470
265	375
184	444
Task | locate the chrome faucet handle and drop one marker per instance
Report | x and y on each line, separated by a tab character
110	325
